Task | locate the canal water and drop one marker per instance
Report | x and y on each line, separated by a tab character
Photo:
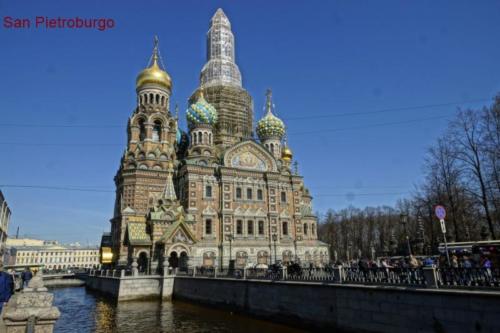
83	312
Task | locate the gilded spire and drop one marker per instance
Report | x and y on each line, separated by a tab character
155	52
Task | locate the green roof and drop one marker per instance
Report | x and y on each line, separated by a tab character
137	234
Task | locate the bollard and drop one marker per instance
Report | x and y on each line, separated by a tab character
122	273
431	278
284	274
194	271
244	273
215	272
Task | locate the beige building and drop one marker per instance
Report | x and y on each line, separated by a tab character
216	192
5	214
53	256
15	242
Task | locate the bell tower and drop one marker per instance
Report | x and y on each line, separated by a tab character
149	153
221	82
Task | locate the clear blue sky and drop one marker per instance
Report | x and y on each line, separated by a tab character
321	58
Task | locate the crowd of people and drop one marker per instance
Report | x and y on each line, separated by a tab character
10	282
412	261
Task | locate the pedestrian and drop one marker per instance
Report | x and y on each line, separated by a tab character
454	261
6	287
26	276
428	262
467	263
413	262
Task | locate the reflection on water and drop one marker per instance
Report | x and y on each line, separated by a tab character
82	312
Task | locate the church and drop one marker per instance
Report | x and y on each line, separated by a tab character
214	194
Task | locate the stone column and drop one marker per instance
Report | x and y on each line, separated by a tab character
135	270
165	267
31	310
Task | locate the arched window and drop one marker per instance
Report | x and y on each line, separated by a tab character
157	131
142	130
157	99
285	228
238	193
200	140
305	229
313	229
151	98
262	257
272	148
283	196
210	138
208	227
208	191
249	194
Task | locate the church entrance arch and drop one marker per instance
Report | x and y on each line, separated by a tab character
183	261
173	260
178	256
142	262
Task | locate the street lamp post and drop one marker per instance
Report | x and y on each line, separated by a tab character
275	238
295	247
404	220
230	239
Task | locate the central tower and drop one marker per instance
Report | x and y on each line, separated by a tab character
220	80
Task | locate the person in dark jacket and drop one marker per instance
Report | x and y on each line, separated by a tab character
26	276
6	287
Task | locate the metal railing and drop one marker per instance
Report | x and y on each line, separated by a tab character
423	277
390	276
468	277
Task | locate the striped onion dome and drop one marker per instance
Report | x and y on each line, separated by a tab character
201	112
270	126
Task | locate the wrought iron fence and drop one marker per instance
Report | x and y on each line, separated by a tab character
205	271
233	273
391	276
469	277
264	273
428	277
312	274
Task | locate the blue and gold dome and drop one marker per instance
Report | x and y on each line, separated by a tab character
270	126
201	112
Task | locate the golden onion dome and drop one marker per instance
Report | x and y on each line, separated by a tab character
270	126
154	75
286	154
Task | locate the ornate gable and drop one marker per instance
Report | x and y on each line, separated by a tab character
250	156
178	232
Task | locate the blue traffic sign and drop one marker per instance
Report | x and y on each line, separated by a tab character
440	212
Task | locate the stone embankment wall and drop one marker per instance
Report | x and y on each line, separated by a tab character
133	287
349	307
63	283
